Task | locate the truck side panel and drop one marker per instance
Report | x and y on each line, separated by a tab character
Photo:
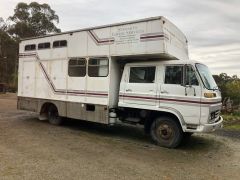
93	113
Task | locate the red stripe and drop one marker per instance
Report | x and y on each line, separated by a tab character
46	75
188	101
172	100
100	41
153	36
97	94
140	97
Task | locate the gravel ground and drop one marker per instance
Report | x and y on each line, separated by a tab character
33	149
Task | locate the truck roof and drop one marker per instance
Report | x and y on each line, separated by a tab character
150	37
99	27
174	61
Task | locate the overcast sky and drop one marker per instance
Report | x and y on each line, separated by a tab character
211	26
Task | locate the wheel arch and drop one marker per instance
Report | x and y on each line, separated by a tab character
164	112
43	110
44	104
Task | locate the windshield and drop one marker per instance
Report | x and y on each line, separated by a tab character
206	76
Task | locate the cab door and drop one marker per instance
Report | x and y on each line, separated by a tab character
140	87
181	92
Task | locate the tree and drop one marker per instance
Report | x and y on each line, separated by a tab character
233	91
28	20
8	54
3	25
230	86
33	19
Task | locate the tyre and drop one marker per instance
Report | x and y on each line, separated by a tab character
187	135
53	116
166	132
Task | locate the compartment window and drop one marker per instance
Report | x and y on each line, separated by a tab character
142	74
44	45
77	67
98	67
174	75
58	44
30	47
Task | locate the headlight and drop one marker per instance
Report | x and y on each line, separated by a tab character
210	95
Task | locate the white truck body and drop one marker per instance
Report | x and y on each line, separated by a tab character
86	73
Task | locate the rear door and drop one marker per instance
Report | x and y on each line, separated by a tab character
28	78
140	87
181	91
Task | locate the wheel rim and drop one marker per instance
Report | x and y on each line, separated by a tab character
165	132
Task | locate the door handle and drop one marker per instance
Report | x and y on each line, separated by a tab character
128	90
164	92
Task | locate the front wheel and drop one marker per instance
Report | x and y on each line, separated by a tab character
166	132
53	116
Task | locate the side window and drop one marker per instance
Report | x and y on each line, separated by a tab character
44	45
191	78
58	44
30	47
98	67
174	74
77	67
142	74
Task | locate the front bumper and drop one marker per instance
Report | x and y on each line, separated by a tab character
211	127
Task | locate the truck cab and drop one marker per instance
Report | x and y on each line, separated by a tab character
172	99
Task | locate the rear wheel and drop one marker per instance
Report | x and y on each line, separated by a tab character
53	116
166	132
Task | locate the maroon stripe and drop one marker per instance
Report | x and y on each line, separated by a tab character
153	36
97	94
140	97
75	91
218	102
71	92
172	100
49	81
188	101
21	56
94	37
100	41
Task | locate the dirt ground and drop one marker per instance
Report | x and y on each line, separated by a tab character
33	149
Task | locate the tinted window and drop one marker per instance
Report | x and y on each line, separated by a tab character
44	45
30	47
77	67
62	43
191	78
98	67
142	74
174	75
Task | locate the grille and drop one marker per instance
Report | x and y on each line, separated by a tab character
214	116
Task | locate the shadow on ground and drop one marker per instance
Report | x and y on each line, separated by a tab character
134	135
